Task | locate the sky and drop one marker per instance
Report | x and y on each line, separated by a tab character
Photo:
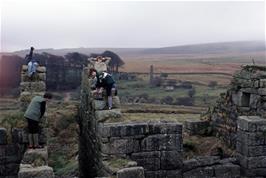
130	24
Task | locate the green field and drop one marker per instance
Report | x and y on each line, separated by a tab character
204	95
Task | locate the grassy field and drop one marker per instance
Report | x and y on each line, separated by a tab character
204	95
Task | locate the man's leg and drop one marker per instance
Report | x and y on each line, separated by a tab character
30	135
36	135
36	140
110	102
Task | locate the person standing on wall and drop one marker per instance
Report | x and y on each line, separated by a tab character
32	63
33	115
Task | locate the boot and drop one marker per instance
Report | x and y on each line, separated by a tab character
30	141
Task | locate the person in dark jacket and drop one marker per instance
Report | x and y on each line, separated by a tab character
104	81
29	56
33	114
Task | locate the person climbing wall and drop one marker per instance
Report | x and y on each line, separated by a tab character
33	115
104	81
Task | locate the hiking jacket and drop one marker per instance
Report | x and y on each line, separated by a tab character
104	79
36	109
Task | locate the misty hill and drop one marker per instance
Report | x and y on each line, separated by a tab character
203	49
211	48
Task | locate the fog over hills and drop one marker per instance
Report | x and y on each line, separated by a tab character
222	48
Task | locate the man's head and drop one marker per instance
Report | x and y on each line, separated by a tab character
32	48
99	58
47	96
92	72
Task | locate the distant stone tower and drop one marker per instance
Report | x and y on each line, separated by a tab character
31	87
151	74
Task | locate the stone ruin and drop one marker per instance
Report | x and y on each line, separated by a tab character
246	96
16	161
155	149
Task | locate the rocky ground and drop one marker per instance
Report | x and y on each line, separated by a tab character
63	130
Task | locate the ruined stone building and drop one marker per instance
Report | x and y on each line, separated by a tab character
155	149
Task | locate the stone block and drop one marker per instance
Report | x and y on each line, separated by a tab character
251	123
99	104
123	130
227	170
196	127
149	160
104	115
41	69
254	101
262	91
37	172
33	86
24	68
252	162
236	98
165	128
256	84
166	142
163	174
36	157
199	172
3	136
256	151
171	160
35	78
251	138
120	146
11	169
200	161
13	153
132	172
249	90
263	83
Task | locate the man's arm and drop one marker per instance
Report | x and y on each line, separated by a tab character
43	107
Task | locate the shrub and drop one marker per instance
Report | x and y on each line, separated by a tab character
212	84
156	82
167	100
191	92
186	101
164	75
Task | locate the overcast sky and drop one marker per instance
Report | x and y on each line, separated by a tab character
58	24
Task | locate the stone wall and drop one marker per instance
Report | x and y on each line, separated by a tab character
251	145
30	87
89	148
10	155
13	149
157	147
211	166
246	96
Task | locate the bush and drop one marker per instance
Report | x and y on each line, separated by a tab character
186	101
212	84
164	75
156	82
167	100
191	92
